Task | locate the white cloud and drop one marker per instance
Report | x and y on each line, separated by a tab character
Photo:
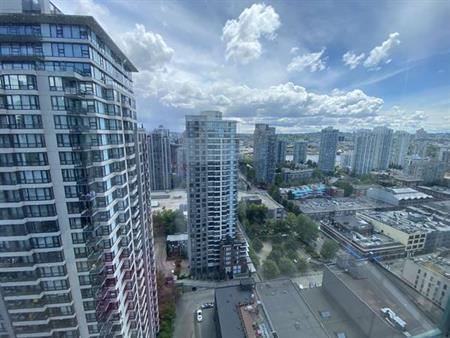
311	61
294	50
352	60
285	100
242	36
382	53
89	7
147	49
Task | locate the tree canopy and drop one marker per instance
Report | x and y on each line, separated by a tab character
329	249
270	269
172	221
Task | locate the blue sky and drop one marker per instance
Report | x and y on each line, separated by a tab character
298	65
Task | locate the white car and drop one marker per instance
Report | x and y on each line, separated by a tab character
199	315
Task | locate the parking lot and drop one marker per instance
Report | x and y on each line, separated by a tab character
186	325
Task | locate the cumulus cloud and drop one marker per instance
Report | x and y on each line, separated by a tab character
147	49
285	100
352	60
294	50
242	36
382	53
310	61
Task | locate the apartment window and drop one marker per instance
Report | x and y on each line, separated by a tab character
55	83
15	82
77	238
58	103
20	102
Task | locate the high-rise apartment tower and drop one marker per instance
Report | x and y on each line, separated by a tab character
264	153
76	256
328	147
212	173
160	159
300	148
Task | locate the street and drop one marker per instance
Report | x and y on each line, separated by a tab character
186	326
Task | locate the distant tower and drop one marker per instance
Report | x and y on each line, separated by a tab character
264	160
280	153
400	146
383	144
328	147
160	159
300	148
363	152
372	150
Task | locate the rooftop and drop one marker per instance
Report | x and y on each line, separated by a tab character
379	292
437	188
290	316
406	221
171	199
177	238
227	304
353	225
71	19
268	201
320	205
437	262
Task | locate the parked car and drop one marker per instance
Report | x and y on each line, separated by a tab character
207	306
199	315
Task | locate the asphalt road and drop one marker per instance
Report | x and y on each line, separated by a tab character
186	326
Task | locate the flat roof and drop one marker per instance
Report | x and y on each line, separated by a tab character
437	262
227	305
289	315
437	188
408	222
378	292
319	205
171	199
338	321
268	201
177	238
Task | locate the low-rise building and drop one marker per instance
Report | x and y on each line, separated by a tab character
399	197
437	191
275	209
304	191
176	245
323	208
358	235
430	275
290	175
346	305
401	226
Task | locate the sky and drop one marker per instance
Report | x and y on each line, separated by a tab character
297	65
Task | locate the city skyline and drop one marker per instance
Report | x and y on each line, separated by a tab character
314	75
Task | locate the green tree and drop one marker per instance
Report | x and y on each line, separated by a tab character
270	269
172	221
286	266
348	188
256	213
302	265
254	257
329	249
257	244
306	229
276	253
